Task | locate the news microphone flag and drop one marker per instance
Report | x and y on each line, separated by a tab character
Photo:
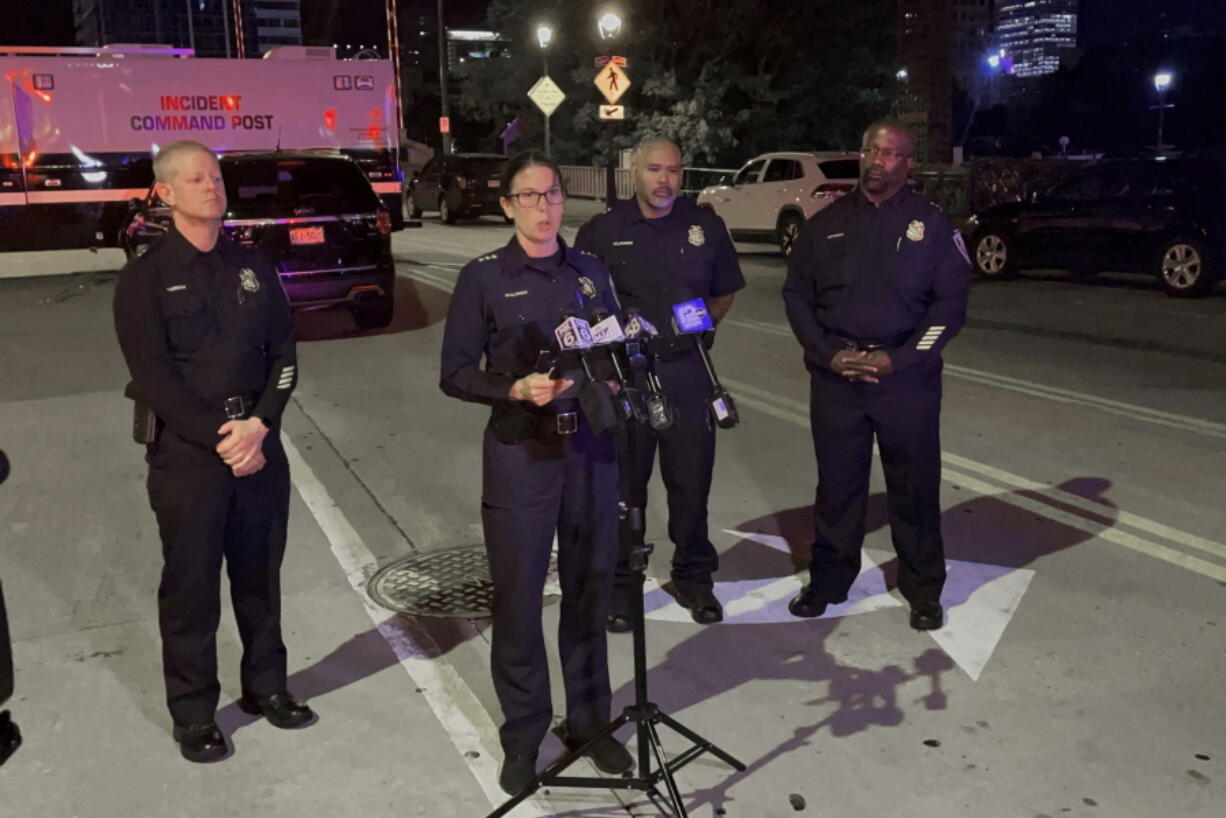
607	331
692	317
574	333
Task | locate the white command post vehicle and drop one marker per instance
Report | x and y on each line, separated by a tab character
79	127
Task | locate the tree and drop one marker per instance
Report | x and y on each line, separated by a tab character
725	79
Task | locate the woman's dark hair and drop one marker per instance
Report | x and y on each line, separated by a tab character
527	159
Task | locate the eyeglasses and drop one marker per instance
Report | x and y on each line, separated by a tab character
532	198
888	154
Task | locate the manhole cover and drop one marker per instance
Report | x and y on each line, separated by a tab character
454	582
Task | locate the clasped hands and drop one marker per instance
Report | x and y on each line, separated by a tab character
240	449
862	366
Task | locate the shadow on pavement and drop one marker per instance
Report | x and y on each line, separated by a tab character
363	655
417	307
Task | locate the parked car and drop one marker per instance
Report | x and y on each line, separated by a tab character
1138	216
316	215
458	186
770	198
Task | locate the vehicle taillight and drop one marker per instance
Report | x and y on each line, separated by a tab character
383	220
832	190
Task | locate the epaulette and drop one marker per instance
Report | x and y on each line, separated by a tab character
488	257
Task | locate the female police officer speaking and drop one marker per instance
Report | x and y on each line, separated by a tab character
545	469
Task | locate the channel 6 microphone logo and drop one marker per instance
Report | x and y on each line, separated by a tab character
692	316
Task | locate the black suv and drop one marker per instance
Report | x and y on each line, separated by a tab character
458	185
317	216
1132	216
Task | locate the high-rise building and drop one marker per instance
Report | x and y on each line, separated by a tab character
207	26
925	57
1037	35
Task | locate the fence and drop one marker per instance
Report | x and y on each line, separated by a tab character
589	183
959	191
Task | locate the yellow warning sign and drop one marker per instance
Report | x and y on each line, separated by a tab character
612	82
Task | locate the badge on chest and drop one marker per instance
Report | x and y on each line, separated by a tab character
248	280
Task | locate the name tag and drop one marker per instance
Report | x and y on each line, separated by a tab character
623	243
515	294
176	288
836	235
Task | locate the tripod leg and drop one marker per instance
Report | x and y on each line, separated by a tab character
669	782
707	746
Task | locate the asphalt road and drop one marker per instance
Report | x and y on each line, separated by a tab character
1081	672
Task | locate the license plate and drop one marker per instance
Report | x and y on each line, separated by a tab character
493	183
306	235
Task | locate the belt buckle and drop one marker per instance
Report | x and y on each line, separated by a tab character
236	407
567	423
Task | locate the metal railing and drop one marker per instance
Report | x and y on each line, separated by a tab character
589	183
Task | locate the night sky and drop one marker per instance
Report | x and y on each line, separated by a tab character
49	22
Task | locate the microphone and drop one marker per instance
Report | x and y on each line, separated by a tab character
692	318
607	332
659	411
596	399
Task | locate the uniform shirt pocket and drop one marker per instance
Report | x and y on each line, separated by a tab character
188	320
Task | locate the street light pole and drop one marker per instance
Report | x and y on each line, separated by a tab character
240	47
442	77
393	53
544	36
1162	82
608	26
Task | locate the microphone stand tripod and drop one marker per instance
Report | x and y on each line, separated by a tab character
643	713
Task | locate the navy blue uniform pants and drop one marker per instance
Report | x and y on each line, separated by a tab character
205	514
904	416
687	458
533	489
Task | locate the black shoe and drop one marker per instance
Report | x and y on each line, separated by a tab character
517	772
809	603
608	756
619	621
10	737
281	709
927	616
704	608
201	743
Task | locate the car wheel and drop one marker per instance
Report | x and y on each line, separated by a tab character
991	255
788	231
374	313
445	213
414	211
1184	268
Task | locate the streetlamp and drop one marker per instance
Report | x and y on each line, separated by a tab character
902	75
544	36
1162	83
609	25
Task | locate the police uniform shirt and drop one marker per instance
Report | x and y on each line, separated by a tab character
504	310
656	263
198	328
894	275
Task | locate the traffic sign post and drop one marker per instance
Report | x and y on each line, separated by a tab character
612	111
547	96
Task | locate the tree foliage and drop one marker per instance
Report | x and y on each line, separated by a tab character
725	79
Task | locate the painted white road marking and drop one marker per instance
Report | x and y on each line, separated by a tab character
979	599
1039	390
1102	521
453	702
